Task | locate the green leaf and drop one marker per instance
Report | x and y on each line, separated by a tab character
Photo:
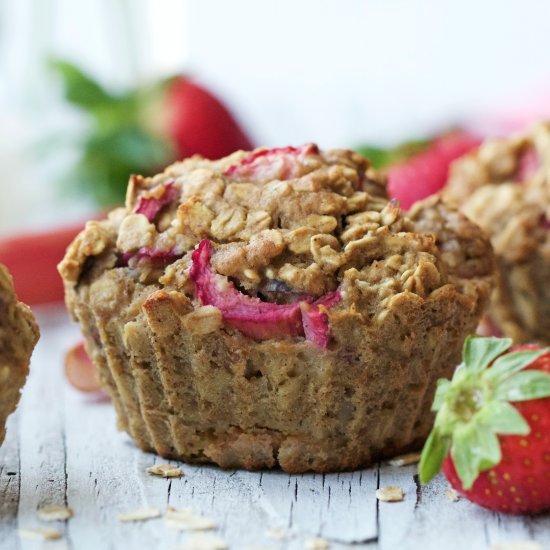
433	454
478	352
440	392
384	158
524	386
502	418
80	88
475	448
511	363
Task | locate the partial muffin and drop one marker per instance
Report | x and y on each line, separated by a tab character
18	336
273	308
521	158
505	188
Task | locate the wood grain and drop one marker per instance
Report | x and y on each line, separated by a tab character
62	447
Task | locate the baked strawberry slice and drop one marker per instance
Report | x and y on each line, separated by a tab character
79	369
425	173
528	165
280	163
257	319
492	430
156	200
315	318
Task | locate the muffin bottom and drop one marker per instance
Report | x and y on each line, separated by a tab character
187	388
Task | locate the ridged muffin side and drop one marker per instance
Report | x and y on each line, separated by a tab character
18	336
188	384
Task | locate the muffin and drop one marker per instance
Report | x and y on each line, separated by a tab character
273	308
521	158
505	188
18	336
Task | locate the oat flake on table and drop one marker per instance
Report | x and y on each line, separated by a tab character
317	544
40	533
52	512
185	520
164	470
141	514
390	493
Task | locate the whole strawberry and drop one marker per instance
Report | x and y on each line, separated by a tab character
418	169
144	128
491	434
425	173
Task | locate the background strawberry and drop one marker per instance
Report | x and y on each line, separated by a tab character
492	430
144	129
418	169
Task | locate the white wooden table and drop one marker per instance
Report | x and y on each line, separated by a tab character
63	448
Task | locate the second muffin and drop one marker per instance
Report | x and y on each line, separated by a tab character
505	188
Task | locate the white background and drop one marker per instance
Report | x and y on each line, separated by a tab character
338	72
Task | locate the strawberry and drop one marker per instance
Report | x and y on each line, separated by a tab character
425	173
32	259
257	319
143	129
491	434
198	123
281	163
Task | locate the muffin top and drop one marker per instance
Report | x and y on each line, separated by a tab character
276	230
504	187
522	159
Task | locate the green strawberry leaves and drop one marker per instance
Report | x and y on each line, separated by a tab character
478	353
384	158
434	453
121	139
474	407
503	418
525	386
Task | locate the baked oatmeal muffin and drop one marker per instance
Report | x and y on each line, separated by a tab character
521	158
505	188
273	308
18	336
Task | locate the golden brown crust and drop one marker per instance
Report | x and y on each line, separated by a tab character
18	336
188	385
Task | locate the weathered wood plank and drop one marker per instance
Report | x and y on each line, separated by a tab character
42	437
10	485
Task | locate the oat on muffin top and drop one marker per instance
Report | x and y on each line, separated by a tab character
288	226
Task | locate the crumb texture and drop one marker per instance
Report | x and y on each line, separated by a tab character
18	336
287	228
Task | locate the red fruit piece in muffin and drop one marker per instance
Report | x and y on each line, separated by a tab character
528	165
492	430
280	163
158	198
315	318
257	319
